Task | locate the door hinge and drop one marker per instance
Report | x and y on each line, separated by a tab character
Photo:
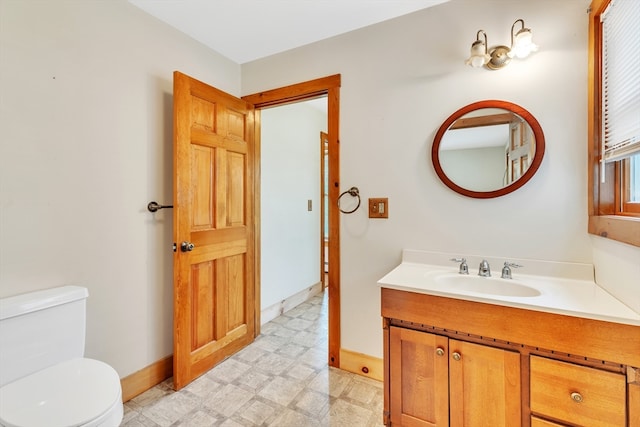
175	247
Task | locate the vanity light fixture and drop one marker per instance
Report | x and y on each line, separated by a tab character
479	55
498	57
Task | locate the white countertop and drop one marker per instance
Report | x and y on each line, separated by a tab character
567	290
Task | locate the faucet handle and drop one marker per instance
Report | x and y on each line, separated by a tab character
506	270
464	268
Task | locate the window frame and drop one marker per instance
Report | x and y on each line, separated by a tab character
605	219
628	207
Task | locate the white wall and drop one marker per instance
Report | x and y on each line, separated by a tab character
618	269
400	80
290	176
85	144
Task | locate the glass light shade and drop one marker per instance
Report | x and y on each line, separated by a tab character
478	56
523	44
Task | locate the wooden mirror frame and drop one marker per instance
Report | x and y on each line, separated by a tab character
533	167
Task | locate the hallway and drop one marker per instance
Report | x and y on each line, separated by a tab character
281	380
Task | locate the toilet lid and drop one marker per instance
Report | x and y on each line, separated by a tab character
68	394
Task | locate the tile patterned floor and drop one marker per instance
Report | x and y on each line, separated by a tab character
280	380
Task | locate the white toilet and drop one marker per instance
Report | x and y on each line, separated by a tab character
45	381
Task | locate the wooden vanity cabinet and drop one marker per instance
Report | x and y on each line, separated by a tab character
436	381
458	363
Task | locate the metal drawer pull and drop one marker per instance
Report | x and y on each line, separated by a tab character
576	397
457	356
440	351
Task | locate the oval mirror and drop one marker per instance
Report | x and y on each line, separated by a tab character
488	149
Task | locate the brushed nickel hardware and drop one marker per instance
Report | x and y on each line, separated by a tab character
457	356
155	206
440	351
464	268
576	397
506	270
484	270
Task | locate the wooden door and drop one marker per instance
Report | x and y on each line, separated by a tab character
484	386
215	296
419	392
520	150
324	205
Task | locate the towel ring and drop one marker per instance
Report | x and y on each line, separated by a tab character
353	192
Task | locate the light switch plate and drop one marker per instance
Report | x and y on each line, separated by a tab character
379	208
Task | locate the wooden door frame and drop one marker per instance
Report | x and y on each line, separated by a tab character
330	87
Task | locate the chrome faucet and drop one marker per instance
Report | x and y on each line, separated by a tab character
506	270
464	268
484	270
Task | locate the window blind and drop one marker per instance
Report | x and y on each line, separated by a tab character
620	80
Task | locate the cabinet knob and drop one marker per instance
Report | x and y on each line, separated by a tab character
457	356
576	397
440	351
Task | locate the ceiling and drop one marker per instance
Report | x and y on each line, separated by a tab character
246	30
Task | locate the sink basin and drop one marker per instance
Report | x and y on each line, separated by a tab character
487	285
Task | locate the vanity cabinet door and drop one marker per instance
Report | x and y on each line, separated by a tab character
419	395
484	386
577	394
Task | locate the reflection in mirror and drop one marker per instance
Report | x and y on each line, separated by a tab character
488	149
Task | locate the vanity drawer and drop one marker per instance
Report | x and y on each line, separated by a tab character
538	422
577	394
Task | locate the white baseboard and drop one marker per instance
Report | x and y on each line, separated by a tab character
271	312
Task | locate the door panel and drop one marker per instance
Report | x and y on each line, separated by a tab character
214	284
484	386
419	379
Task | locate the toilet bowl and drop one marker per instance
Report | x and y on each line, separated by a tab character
44	379
78	392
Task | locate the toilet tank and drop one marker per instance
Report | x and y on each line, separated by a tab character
40	329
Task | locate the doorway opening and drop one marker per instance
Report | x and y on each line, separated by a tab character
291	214
328	87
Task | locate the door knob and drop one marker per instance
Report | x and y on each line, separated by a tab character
440	351
457	356
187	246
